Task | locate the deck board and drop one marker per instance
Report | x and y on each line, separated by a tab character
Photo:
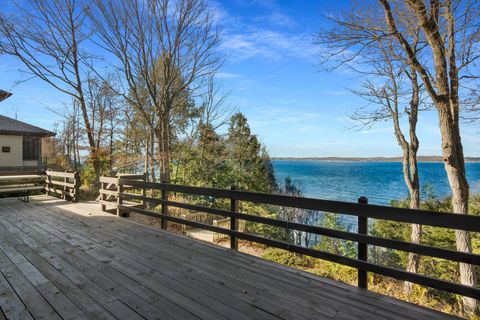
72	261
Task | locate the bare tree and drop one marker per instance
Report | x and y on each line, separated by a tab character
64	148
48	37
215	113
446	61
449	38
132	148
391	89
70	136
166	50
215	109
197	142
395	93
471	113
103	107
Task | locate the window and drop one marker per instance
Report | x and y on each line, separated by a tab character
30	148
6	149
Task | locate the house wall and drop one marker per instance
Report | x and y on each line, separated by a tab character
30	163
15	156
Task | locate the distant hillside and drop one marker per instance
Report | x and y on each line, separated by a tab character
373	159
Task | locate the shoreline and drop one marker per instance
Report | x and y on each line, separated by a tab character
431	159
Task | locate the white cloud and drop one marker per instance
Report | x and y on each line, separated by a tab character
262	35
275	16
220	15
228	75
278	18
268	44
299	121
337	93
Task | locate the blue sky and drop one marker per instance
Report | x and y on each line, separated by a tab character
272	75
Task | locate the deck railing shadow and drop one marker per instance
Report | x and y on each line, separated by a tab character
135	191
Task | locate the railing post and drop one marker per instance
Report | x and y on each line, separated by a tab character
47	183
362	247
103	197
65	189
164	222
119	197
76	188
233	222
144	191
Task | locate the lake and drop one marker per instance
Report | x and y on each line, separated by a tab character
379	181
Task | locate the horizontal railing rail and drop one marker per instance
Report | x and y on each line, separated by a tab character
362	210
21	185
65	184
109	188
430	218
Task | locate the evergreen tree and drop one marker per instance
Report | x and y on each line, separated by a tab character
248	161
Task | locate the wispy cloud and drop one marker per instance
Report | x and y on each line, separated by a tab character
278	18
337	92
263	35
274	16
221	15
299	121
268	44
228	75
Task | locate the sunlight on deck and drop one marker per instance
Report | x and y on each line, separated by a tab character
66	260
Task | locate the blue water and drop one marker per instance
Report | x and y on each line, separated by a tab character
381	182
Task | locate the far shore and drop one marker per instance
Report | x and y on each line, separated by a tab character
372	159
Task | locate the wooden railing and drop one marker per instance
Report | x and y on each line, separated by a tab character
361	210
21	185
225	224
109	189
65	184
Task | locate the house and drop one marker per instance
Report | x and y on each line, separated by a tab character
4	95
21	146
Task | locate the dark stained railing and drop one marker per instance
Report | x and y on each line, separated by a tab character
119	188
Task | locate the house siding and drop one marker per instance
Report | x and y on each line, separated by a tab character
30	163
15	156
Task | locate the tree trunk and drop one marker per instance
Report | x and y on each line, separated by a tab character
97	169
164	160
444	94
146	159
453	158
151	157
413	259
163	136
411	176
74	144
110	153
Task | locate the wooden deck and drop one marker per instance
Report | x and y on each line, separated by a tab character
60	260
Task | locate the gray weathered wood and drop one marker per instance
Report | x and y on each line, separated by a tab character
97	262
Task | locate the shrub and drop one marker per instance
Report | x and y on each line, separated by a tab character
287	258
